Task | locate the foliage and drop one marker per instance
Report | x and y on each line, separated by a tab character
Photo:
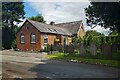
93	33
14	45
114	37
38	18
87	38
98	38
11	11
105	14
47	48
93	37
77	40
114	33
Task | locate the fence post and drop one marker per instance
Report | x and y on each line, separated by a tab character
51	48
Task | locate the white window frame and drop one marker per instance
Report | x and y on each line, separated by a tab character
22	39
33	38
45	37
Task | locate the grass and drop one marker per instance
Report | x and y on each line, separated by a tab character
73	58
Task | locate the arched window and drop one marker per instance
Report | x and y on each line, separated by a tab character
33	38
22	38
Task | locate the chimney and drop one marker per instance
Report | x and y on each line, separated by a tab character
52	23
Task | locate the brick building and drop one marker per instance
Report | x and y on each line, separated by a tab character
35	35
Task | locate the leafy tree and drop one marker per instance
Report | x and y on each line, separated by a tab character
11	11
93	33
38	18
114	37
105	14
93	36
114	33
77	40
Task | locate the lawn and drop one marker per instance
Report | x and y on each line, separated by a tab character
72	58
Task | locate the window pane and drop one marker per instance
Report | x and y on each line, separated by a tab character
33	38
45	38
22	39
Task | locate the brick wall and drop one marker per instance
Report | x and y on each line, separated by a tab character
51	38
27	29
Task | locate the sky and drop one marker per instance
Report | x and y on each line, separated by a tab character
60	12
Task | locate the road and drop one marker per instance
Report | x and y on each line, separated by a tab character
35	65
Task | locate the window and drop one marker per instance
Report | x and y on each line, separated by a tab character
33	38
45	38
50	29
55	30
22	38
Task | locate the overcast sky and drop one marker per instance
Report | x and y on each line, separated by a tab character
60	12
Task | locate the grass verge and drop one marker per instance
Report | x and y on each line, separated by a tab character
62	56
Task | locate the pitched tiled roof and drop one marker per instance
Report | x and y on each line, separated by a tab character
46	28
72	27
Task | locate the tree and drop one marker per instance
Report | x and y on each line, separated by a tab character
93	36
93	33
114	33
105	14
114	37
77	40
11	11
38	18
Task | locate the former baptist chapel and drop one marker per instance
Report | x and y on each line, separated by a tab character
34	35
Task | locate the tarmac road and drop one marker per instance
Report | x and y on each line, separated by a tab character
40	67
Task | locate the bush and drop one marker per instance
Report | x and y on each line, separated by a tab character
14	45
47	48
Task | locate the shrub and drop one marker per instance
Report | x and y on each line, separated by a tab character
47	48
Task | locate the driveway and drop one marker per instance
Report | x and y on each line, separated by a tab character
40	67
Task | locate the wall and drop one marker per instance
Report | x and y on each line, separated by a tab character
51	38
27	29
27	33
81	32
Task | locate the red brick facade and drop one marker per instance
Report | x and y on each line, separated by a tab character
27	29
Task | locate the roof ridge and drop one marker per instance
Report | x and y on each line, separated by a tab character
69	22
53	26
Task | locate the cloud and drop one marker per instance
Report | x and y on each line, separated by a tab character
99	29
61	12
20	23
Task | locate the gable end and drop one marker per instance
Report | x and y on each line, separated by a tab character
24	24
